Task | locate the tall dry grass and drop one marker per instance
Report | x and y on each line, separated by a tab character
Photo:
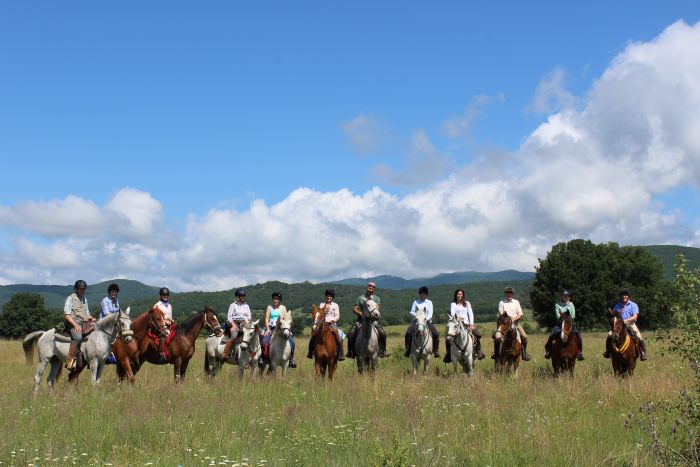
393	419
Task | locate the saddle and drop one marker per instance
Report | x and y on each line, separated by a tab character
62	334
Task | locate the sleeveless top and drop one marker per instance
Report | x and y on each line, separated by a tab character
79	309
275	314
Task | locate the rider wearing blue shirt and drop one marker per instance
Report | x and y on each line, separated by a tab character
629	311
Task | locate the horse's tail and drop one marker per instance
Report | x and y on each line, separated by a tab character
29	345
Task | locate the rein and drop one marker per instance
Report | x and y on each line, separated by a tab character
425	341
461	328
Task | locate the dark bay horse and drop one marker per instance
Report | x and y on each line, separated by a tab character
325	346
181	348
509	352
565	348
127	353
624	352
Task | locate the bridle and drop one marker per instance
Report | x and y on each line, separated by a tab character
460	327
118	329
423	332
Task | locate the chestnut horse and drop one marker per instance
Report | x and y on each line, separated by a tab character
180	350
624	348
325	345
509	355
127	354
565	348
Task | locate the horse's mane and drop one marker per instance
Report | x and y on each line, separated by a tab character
189	322
107	320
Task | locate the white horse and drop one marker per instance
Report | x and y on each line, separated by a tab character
462	345
421	341
280	347
249	350
367	341
212	356
95	348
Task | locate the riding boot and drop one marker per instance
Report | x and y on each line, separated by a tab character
292	363
608	347
548	348
339	346
351	341
525	356
407	343
580	347
643	348
479	353
436	347
70	358
382	345
496	348
448	353
310	353
227	350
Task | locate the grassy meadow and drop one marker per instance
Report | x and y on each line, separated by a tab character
393	419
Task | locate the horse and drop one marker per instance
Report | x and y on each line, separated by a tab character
280	347
249	350
624	348
367	342
325	345
565	348
95	347
509	352
181	348
127	352
421	341
461	345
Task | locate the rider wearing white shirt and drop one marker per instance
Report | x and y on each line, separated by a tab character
462	309
424	302
511	307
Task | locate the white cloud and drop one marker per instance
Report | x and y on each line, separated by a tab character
551	94
367	133
458	126
593	171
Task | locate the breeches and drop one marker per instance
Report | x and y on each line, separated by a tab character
518	327
634	330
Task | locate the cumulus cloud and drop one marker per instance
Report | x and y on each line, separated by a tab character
551	94
593	170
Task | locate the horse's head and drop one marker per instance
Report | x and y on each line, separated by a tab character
284	324
156	322
371	310
211	321
421	321
318	315
125	324
454	327
619	330
505	324
250	329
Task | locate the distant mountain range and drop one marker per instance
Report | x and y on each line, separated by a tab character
134	291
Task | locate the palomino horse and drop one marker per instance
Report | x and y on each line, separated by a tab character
127	352
367	342
565	348
181	348
624	348
421	341
461	345
250	349
325	345
508	356
95	347
280	347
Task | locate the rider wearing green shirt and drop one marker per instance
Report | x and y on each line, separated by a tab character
560	310
357	309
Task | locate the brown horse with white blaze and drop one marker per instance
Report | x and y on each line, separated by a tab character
181	348
565	348
624	352
325	346
509	351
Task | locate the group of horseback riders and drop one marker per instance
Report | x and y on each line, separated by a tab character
78	321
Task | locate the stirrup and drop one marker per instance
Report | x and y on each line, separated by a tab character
547	356
643	357
579	357
606	354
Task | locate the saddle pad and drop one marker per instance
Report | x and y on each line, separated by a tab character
61	337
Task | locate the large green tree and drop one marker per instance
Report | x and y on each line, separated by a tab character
595	273
24	313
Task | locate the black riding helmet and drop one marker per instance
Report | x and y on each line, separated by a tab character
164	291
330	292
276	295
240	293
424	290
565	293
624	292
80	284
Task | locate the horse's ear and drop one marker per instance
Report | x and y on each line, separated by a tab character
128	310
448	316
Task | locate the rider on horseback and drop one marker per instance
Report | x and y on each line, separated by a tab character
75	314
510	307
109	305
272	314
462	309
629	312
332	311
564	306
167	309
357	309
238	314
422	301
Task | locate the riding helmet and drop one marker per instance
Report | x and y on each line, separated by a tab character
164	291
330	292
423	289
624	292
112	287
276	295
566	293
240	293
80	284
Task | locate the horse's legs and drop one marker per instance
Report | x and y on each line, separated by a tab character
183	367
39	373
176	369
53	374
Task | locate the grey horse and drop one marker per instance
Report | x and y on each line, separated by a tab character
96	347
462	345
280	347
421	342
367	342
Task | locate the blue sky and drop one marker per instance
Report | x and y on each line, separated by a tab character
166	117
